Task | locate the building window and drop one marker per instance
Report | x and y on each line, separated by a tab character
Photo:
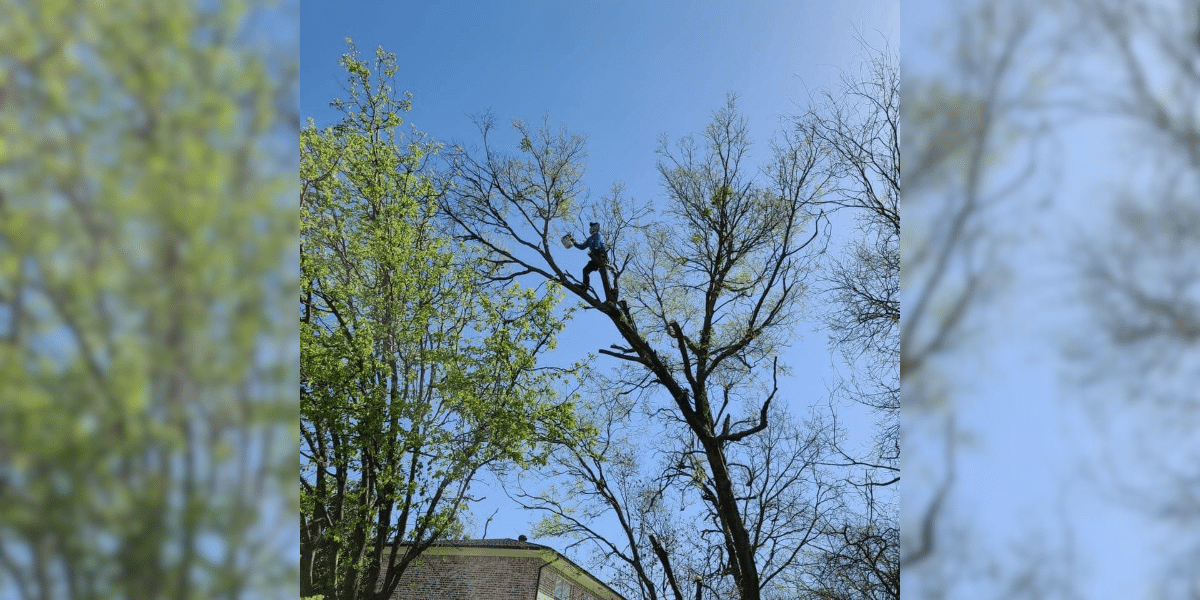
562	589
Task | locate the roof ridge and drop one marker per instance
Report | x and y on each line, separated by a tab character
488	542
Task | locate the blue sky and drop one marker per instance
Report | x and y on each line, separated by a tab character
621	73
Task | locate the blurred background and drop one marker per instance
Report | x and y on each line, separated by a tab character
148	241
1051	294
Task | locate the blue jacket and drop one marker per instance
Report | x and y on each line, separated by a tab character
593	244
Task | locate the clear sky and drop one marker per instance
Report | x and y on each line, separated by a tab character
622	73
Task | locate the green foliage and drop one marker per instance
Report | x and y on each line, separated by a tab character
146	409
416	369
552	525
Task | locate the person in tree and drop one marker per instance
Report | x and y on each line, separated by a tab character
598	259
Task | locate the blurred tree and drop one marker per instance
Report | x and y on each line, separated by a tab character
1139	274
146	414
416	370
970	156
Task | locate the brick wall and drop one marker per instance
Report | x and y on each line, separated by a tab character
456	577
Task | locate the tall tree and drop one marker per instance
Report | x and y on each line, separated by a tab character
647	521
146	403
705	297
416	371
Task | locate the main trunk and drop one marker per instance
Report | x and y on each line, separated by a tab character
745	569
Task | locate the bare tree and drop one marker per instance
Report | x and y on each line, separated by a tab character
704	295
860	128
860	563
649	520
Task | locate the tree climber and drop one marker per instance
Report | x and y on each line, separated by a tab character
598	258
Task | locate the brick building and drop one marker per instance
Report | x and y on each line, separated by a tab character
498	569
